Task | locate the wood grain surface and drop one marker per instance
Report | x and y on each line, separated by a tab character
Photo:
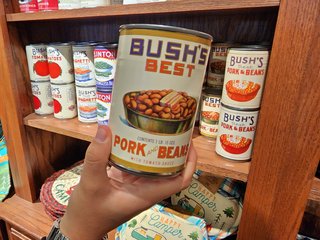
287	145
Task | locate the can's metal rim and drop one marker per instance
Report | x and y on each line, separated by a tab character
107	45
250	48
212	92
62	84
89	86
166	28
36	44
240	109
83	44
59	44
46	81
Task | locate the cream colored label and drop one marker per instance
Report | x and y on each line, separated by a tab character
83	66
87	104
244	78
42	97
37	62
69	4
236	133
155	97
94	3
209	115
64	101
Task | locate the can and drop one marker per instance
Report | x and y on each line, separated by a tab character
64	100
47	5
236	132
83	63
160	71
42	98
209	114
104	106
217	64
60	63
69	4
244	77
28	6
105	59
87	104
37	62
94	3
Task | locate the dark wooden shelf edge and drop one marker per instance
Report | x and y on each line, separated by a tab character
186	6
315	190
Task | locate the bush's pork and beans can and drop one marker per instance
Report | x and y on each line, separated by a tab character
209	113
28	6
103	105
42	97
83	63
47	5
60	63
87	104
236	132
244	77
37	62
160	71
64	100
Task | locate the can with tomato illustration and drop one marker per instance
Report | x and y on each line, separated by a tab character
28	6
156	92
60	63
42	98
209	114
69	4
83	63
105	59
244	77
217	64
47	5
104	106
64	100
236	132
37	62
87	104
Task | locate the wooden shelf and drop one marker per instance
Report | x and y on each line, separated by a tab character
174	6
208	160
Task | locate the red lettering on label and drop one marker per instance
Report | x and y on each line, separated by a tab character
129	145
172	152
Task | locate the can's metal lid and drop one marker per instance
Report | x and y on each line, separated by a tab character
250	48
212	91
107	46
240	109
59	44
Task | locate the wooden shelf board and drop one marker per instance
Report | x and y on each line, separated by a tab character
315	190
180	6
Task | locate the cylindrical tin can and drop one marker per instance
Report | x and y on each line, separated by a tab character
37	62
94	3
69	4
87	104
47	5
28	6
105	59
103	106
236	133
64	100
42	98
209	114
160	71
60	63
244	78
83	63
217	64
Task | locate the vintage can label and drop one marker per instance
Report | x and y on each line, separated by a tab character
28	6
209	114
103	106
47	5
236	133
105	59
244	78
60	63
94	3
64	100
83	63
158	83
87	104
37	62
69	4
42	98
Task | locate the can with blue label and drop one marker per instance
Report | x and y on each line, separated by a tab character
103	106
87	104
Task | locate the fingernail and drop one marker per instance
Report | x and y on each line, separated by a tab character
101	134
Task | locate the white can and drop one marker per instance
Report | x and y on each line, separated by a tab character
64	100
236	133
69	4
83	63
60	63
37	62
244	77
42	98
87	104
104	106
94	3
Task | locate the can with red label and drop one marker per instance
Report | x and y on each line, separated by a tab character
47	5
104	106
42	98
87	104
209	114
60	63
37	62
64	100
69	4
236	132
28	6
244	77
105	59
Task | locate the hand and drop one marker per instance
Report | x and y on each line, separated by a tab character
105	199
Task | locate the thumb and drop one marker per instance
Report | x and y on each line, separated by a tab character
97	156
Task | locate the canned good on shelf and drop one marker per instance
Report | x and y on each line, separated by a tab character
42	97
37	62
64	100
87	103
